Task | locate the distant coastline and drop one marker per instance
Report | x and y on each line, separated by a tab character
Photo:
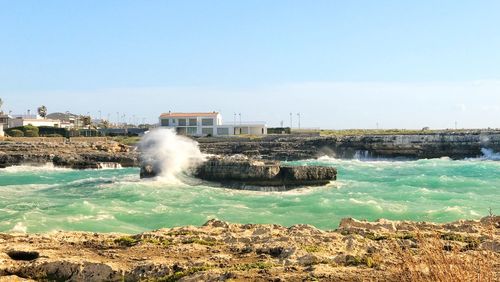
81	153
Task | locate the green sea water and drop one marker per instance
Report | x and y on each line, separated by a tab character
42	199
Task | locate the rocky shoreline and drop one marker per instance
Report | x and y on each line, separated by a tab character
76	155
241	172
457	145
92	154
220	251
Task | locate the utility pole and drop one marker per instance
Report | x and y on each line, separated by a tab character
291	121
240	118
234	121
298	115
456	126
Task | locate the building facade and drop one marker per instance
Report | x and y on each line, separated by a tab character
208	124
33	120
4	120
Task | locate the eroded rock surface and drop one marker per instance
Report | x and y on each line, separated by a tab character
456	145
78	155
219	251
240	172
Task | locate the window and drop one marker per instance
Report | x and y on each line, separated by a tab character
165	122
192	122
191	131
207	131
207	121
222	131
182	122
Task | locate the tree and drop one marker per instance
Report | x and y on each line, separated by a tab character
86	120
105	124
42	111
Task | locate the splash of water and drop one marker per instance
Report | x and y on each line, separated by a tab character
489	154
171	155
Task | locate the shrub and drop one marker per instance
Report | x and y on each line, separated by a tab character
49	131
30	133
15	133
31	128
435	260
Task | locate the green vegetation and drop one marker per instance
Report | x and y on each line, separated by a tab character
359	132
312	249
126	241
199	242
254	265
472	242
163	242
357	260
346	132
15	133
27	131
30	133
376	237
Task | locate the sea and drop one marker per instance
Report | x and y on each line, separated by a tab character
46	198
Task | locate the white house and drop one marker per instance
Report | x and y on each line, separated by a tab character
4	120
34	120
203	124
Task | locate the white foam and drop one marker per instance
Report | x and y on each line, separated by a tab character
33	168
170	154
19	228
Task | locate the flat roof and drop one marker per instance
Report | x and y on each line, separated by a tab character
210	114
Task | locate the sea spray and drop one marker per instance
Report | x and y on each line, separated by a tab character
489	154
169	154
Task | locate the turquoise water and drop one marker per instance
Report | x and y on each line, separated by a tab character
47	199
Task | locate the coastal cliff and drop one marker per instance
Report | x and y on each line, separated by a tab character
92	154
457	145
77	155
219	251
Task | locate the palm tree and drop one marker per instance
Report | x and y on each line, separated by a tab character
42	111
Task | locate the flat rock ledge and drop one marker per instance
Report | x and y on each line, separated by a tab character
220	251
242	172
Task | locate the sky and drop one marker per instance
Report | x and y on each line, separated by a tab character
340	64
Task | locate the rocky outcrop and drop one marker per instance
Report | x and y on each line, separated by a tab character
237	171
78	155
219	251
456	145
242	172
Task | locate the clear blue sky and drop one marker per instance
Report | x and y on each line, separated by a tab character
342	64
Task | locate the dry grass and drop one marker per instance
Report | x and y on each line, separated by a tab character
434	259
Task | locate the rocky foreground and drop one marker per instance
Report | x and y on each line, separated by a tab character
77	155
219	251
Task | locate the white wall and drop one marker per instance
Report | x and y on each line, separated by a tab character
2	134
42	122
